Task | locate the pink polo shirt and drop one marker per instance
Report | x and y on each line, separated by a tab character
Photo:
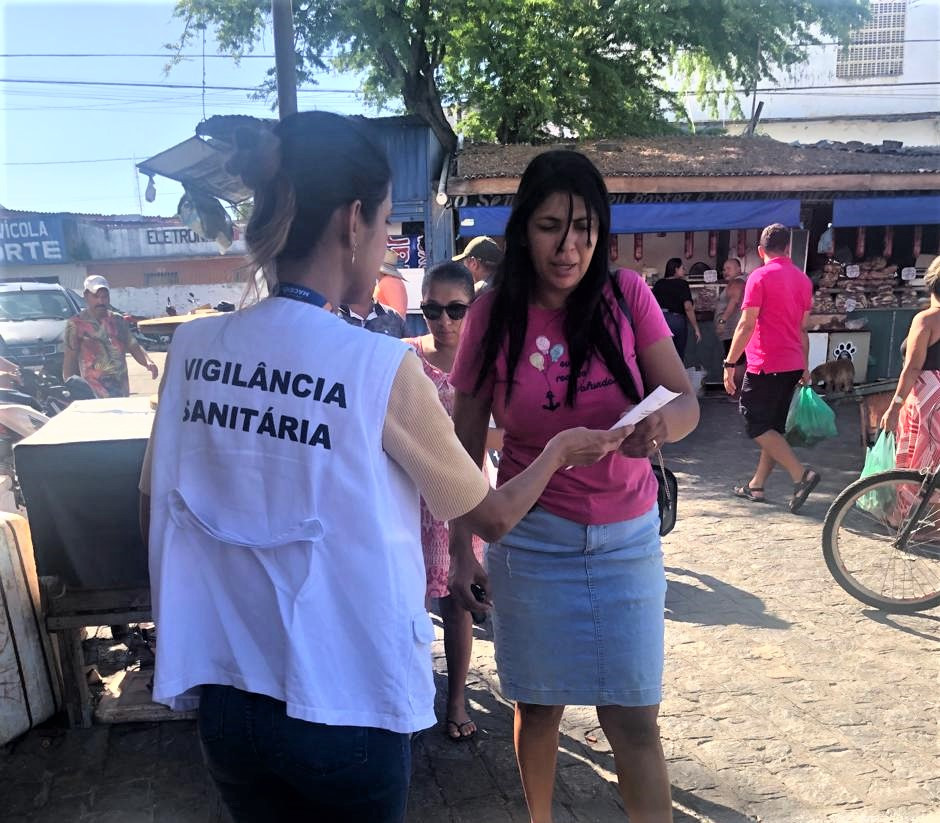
617	488
783	294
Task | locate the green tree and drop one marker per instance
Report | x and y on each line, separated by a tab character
522	70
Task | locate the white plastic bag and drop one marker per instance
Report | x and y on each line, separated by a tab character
697	379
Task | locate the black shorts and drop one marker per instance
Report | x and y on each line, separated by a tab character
742	360
765	400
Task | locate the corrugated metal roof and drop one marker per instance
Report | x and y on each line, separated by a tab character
105	219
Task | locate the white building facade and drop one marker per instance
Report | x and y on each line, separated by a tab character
884	85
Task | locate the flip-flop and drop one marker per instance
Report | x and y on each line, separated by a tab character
802	489
747	492
461	737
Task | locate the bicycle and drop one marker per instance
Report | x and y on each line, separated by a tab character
881	540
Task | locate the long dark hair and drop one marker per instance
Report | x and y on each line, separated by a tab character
672	264
588	317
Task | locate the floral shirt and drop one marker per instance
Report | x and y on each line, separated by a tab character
102	347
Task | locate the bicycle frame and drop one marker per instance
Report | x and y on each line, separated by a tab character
927	487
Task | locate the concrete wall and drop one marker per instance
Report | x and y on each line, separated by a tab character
190	272
152	302
134	241
920	65
70	275
920	132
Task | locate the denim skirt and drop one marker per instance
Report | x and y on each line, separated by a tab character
578	614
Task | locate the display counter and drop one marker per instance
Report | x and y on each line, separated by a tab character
79	475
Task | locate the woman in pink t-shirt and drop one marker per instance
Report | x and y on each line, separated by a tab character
578	586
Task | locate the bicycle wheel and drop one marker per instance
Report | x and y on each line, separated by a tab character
860	542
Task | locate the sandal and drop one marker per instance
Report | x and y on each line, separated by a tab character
747	492
802	489
458	727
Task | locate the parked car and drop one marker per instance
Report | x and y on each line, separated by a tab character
32	321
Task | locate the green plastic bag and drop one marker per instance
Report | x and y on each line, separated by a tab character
879	458
810	419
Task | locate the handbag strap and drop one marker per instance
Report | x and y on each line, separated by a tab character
622	303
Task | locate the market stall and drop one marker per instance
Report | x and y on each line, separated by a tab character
705	199
870	283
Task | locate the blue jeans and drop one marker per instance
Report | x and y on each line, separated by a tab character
268	766
679	326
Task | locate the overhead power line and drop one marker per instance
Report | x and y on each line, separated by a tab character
348	92
68	162
172	56
139	85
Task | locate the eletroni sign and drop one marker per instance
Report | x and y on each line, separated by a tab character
32	240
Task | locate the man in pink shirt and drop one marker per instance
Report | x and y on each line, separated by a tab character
772	332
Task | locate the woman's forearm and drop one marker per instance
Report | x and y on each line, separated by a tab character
906	381
502	508
681	417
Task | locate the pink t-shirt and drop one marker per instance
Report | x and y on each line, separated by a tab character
783	294
617	488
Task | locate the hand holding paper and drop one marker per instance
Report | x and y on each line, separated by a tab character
655	401
639	443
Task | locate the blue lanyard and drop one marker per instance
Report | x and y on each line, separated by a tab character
292	291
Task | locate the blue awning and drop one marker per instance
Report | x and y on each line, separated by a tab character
887	211
635	218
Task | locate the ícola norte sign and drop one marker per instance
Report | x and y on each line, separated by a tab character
31	240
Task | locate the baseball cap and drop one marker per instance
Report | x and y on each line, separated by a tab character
389	265
95	282
483	248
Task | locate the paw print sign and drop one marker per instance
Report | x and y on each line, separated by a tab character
845	351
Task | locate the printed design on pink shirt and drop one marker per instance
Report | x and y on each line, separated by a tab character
542	360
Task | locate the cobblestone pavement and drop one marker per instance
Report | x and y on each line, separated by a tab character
785	700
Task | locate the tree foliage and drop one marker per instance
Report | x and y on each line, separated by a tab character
524	70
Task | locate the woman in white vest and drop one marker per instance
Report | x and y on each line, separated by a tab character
289	454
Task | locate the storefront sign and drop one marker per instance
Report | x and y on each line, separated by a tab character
170	236
31	240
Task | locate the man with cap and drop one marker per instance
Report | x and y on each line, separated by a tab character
390	290
97	341
482	255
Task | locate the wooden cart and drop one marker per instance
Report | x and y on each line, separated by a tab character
874	399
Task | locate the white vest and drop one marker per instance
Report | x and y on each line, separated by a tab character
285	545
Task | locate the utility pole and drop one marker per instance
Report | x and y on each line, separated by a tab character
282	16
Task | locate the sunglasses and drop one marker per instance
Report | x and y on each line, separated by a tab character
455	311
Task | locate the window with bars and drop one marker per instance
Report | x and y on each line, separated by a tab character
876	49
162	278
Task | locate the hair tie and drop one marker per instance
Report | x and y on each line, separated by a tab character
257	156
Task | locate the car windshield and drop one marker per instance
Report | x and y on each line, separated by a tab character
34	305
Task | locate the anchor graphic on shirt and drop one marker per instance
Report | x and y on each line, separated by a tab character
552	405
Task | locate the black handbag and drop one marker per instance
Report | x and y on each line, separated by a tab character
667	496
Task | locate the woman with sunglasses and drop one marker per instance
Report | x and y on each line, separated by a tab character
446	294
578	586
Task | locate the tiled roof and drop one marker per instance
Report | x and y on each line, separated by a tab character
698	156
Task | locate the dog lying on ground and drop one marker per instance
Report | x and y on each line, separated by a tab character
836	375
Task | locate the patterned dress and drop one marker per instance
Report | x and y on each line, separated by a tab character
435	537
